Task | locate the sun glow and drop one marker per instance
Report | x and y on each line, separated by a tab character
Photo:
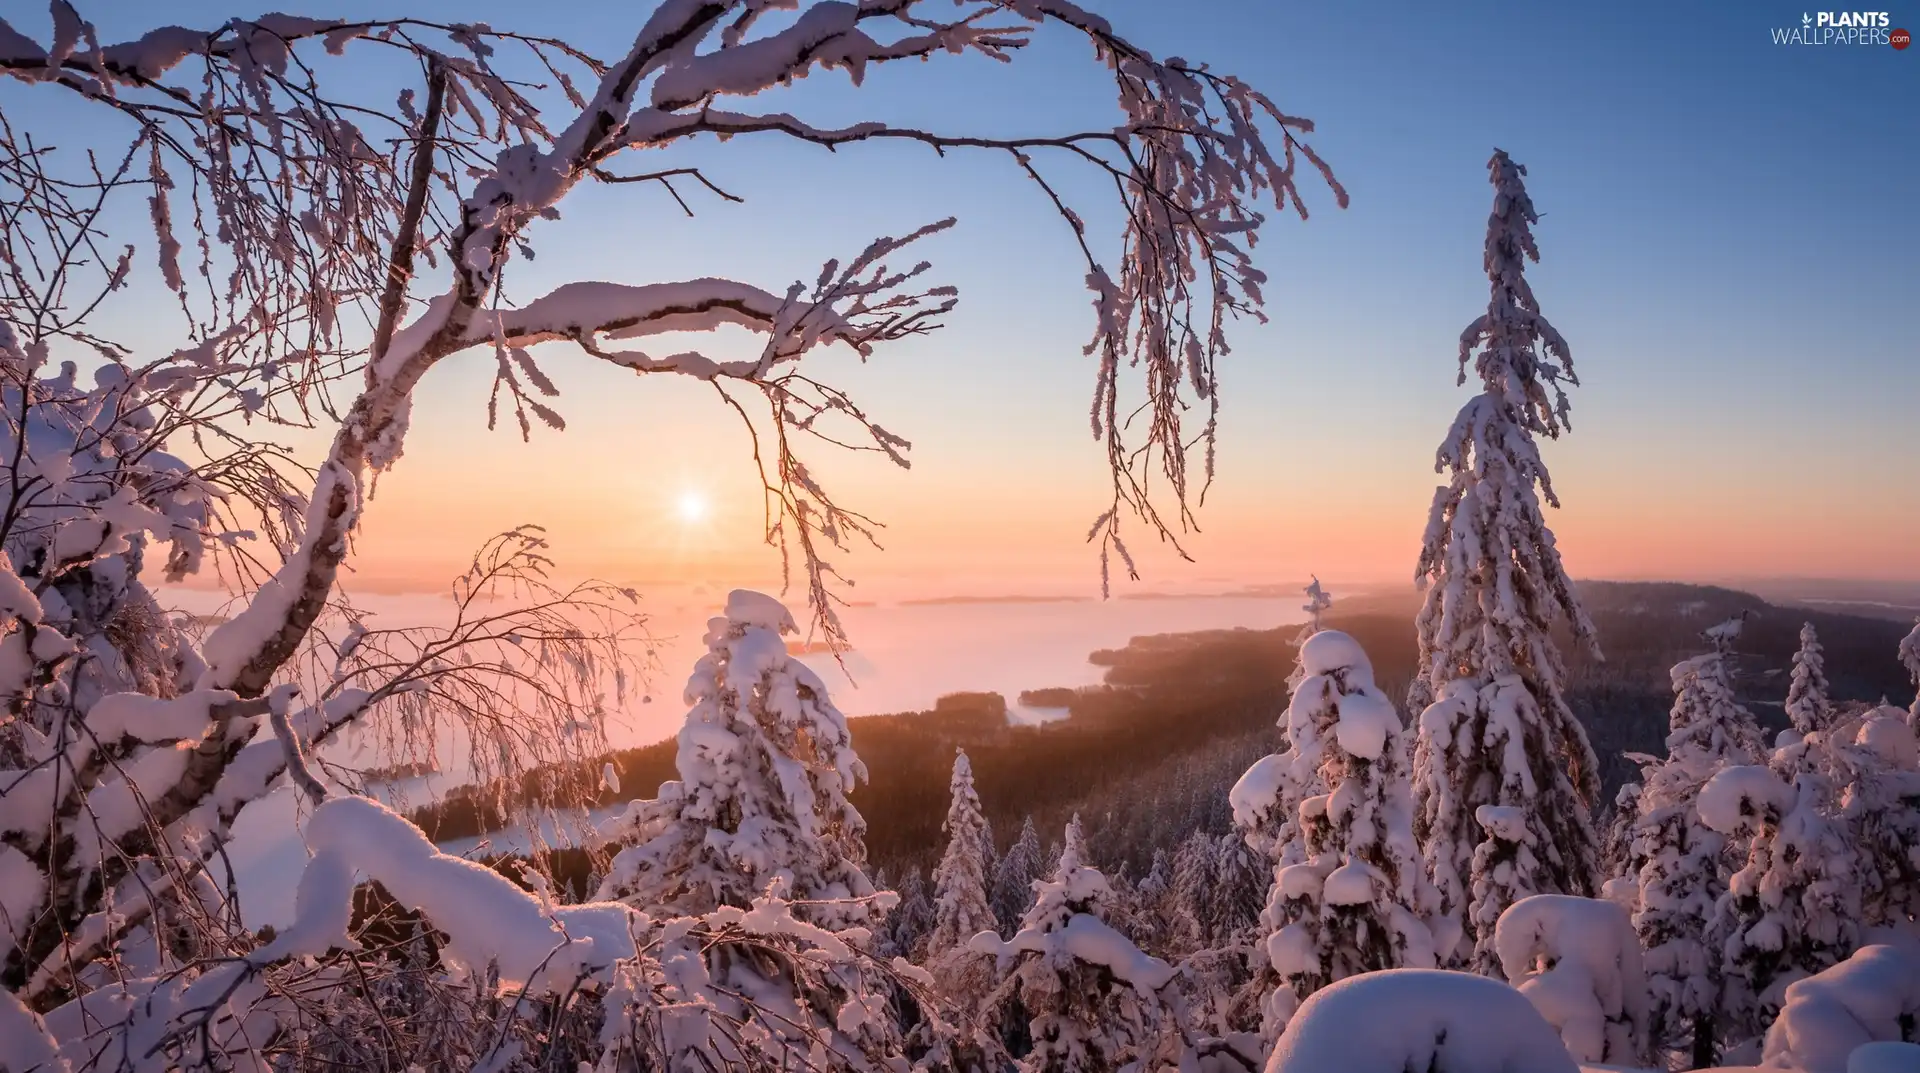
692	507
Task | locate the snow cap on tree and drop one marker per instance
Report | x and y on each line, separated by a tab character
1578	961
765	763
1073	849
1494	725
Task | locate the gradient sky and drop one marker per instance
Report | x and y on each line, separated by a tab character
1728	240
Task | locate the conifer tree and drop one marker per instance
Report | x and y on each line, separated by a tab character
1495	728
1794	909
1910	658
1358	899
1013	877
1682	862
765	764
961	910
1093	997
1807	705
1073	850
1266	799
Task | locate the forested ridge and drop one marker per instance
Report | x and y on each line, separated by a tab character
1146	757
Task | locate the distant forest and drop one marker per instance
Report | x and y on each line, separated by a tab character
1147	757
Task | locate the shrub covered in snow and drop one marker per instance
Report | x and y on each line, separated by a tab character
1419	1019
1578	961
1873	996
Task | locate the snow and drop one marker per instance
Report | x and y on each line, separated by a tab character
487	919
1887	734
758	609
1867	998
1330	650
1885	1056
1367	720
1578	961
1083	937
1349	884
1419	1019
1736	797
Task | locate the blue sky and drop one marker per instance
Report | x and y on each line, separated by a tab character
1728	235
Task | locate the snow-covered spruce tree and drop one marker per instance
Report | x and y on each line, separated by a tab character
1071	851
1494	726
1681	864
1616	846
1265	801
1194	878
1707	714
1794	909
1358	899
961	911
1807	705
960	881
1881	809
1239	889
906	928
765	764
1094	999
1014	875
1910	659
1578	961
1318	601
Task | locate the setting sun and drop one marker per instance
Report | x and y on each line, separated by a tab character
692	507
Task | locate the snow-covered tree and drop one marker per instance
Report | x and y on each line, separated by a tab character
1707	715
1872	997
1680	863
1807	704
905	930
1353	896
1266	800
1239	889
1014	875
1494	725
1194	877
1419	1019
960	881
1072	853
1910	659
1793	910
1578	961
765	764
1616	846
1318	601
1094	998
